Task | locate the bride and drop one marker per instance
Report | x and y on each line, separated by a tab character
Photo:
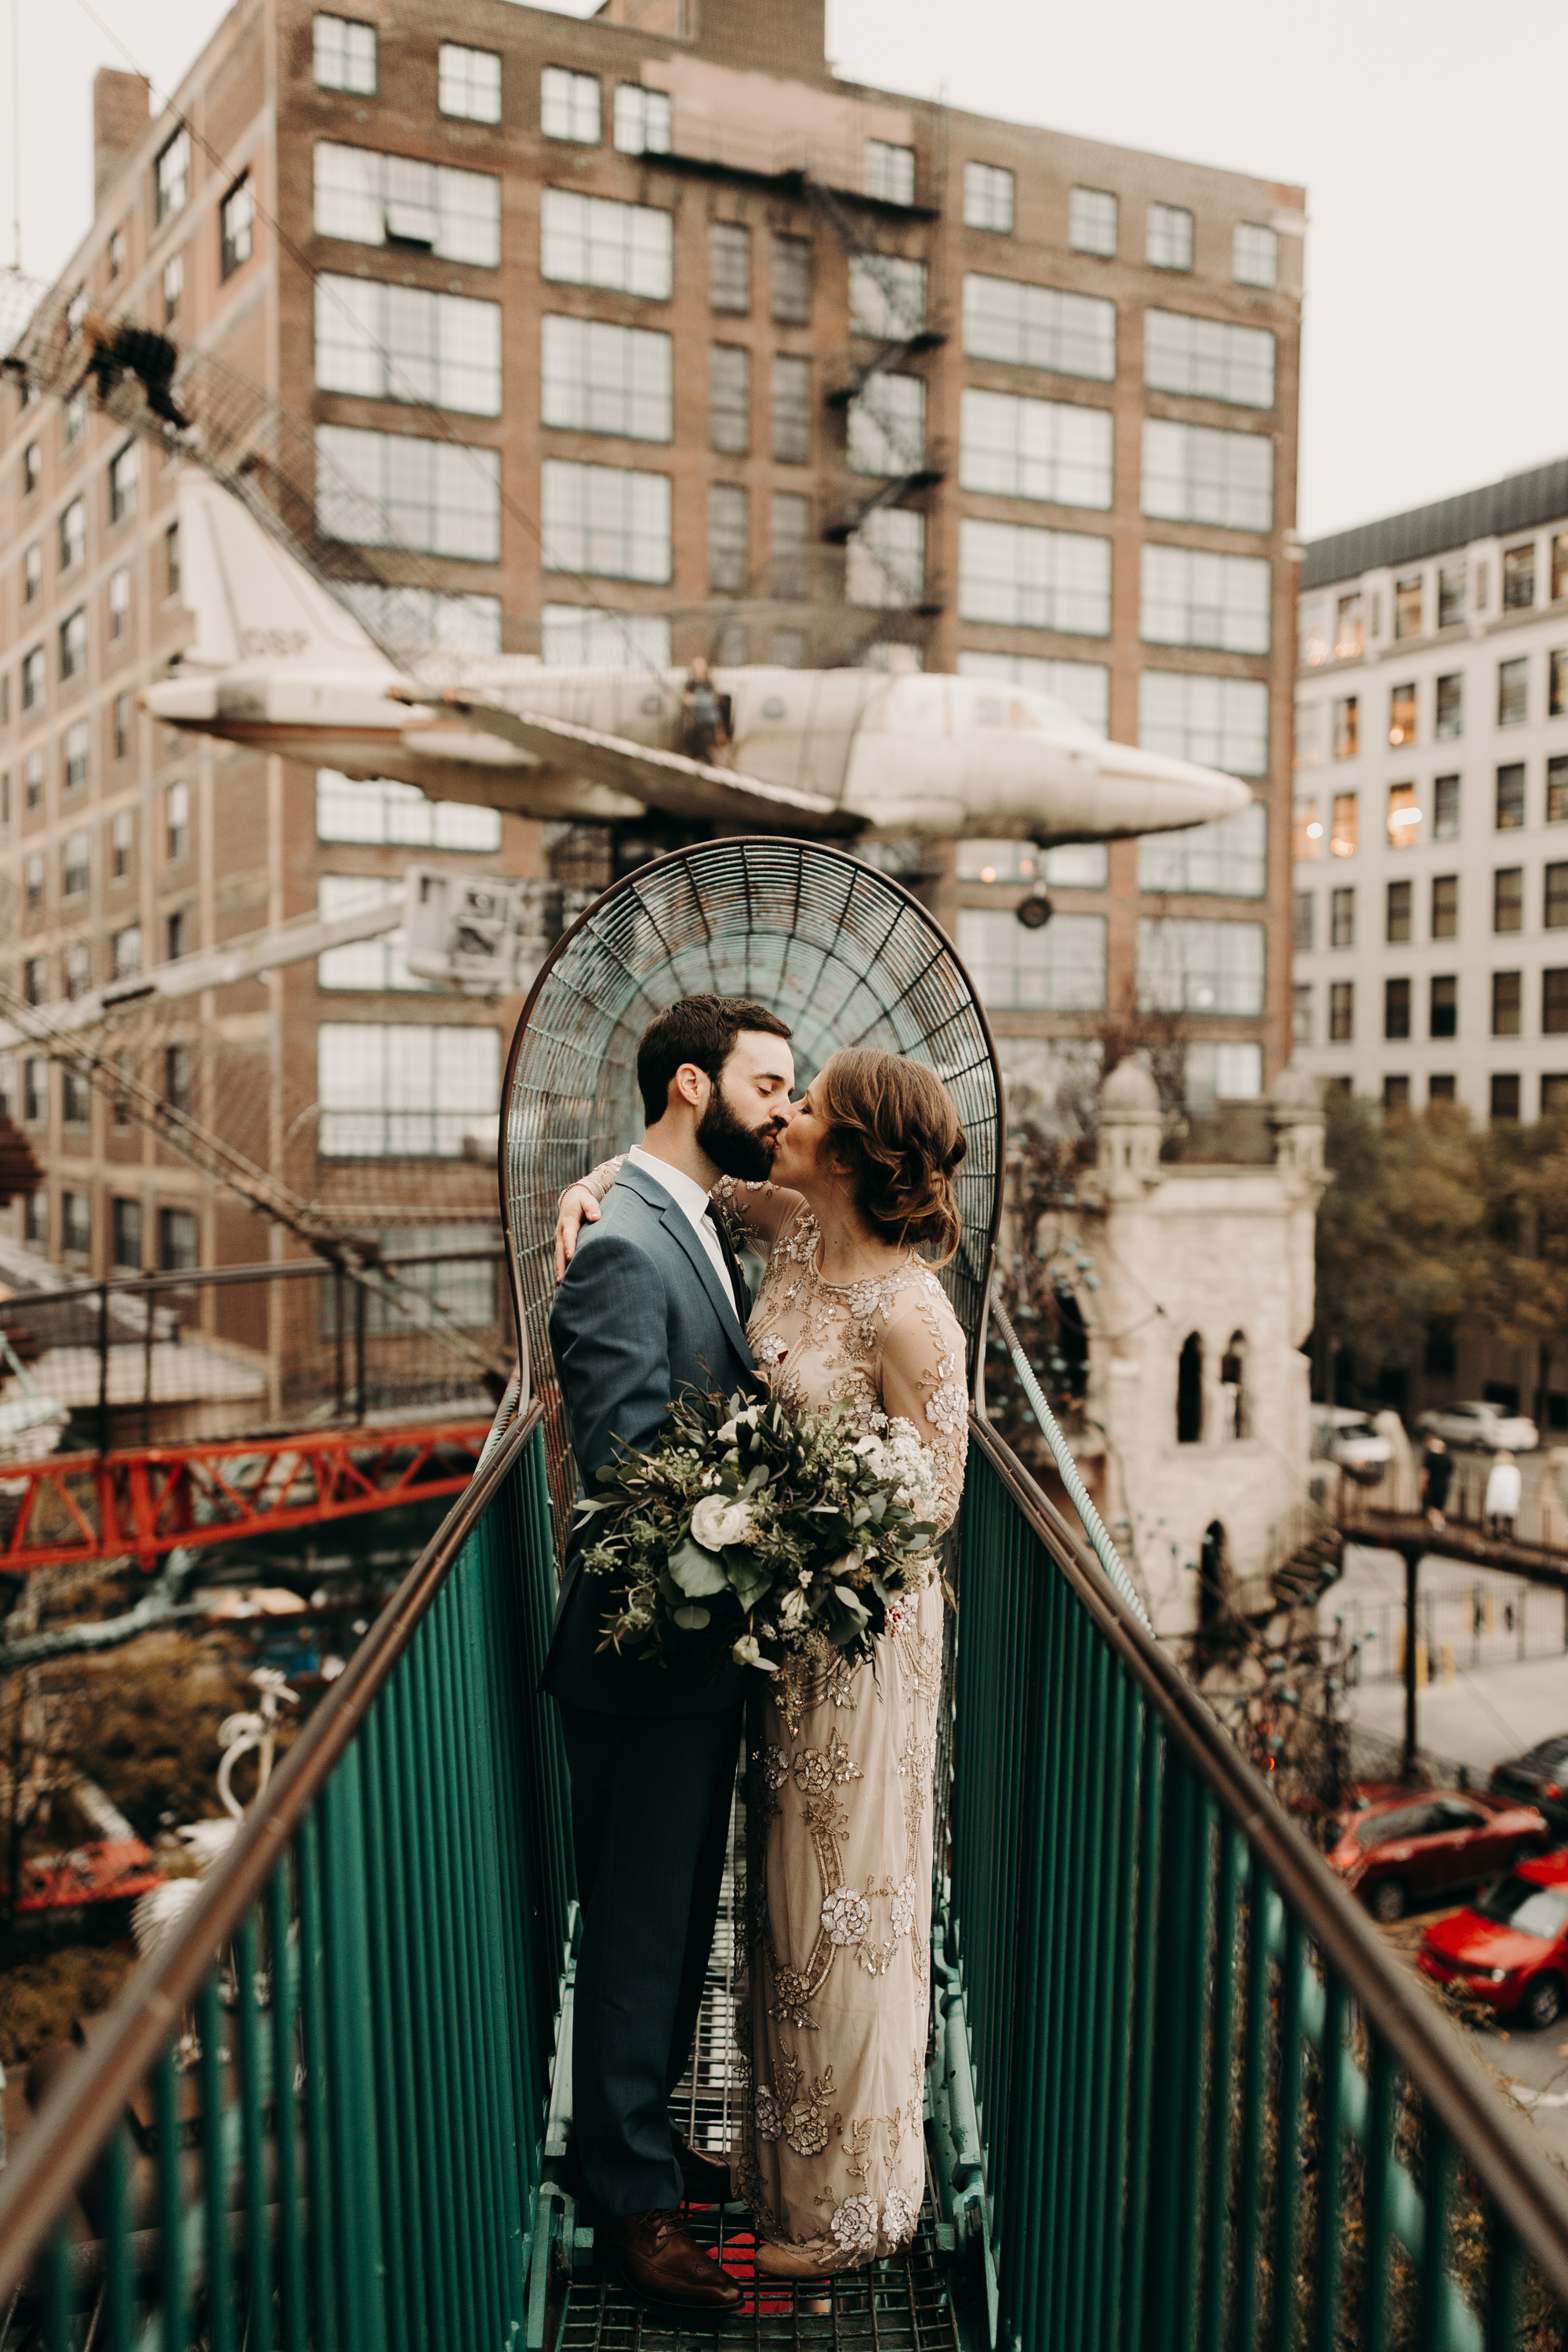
836	1993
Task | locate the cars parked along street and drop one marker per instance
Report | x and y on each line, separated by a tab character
1403	1851
1341	1435
1475	1422
1538	1778
1510	1947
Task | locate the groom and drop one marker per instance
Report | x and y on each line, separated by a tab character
653	1302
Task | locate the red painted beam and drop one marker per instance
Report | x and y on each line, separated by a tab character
150	1500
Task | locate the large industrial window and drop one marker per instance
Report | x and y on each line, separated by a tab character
593	241
730	399
1168	242
642	119
1015	448
729	267
1192	598
889	173
789	545
597	378
1084	687
469	83
1195	473
397	1091
789	422
1188	966
400	817
885	570
368	198
791	281
728	562
887	296
1220	722
1254	255
1025	578
1035	326
171	177
887	426
988	197
399	343
345	56
1093	221
583	636
606	521
380	962
1059	969
1208	358
423	617
388	490
1226	859
569	105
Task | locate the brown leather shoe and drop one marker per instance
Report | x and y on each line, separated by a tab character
662	2264
706	2178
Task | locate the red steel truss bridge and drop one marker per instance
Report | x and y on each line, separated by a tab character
152	1500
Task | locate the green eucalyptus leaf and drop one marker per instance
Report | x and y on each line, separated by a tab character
699	1573
692	1618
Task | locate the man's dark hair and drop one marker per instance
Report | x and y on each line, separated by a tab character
699	1029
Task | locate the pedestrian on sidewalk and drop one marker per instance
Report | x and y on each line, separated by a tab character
1437	1469
1503	1484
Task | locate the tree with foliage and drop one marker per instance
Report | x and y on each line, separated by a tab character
1522	1293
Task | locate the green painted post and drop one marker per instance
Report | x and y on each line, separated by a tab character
1123	2152
1374	2298
1287	2163
354	2126
314	2008
252	2089
118	2300
171	2203
1151	1777
1254	2078
286	1959
396	2150
214	2172
1330	2167
1232	1864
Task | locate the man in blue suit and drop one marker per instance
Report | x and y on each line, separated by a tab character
653	1302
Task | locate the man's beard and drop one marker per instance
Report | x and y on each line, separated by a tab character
736	1150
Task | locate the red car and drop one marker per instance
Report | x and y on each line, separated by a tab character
1510	1946
1400	1848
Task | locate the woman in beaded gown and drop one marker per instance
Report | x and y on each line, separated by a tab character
835	1995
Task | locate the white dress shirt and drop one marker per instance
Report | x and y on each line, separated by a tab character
692	1201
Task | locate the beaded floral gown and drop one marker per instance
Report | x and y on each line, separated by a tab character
835	1988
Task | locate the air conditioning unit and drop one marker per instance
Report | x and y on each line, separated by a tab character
486	934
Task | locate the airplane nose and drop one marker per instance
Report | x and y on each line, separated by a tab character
181	702
1172	783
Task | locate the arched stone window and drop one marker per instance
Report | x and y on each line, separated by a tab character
1233	1382
1190	1392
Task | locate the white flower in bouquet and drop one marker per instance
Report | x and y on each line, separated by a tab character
793	1609
746	1652
720	1519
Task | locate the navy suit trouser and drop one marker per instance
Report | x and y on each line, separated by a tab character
650	1815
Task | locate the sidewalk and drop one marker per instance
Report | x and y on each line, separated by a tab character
1484	1714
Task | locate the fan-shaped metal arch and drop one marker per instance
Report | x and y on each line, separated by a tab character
840	951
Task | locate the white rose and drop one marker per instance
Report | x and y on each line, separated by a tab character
846	1564
718	1521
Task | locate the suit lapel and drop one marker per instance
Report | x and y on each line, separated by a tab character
678	1226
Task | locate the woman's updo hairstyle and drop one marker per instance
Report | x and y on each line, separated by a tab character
893	1126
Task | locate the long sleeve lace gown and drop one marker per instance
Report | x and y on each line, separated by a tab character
835	1992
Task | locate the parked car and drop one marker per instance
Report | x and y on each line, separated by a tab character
1341	1435
1538	1778
1399	1850
1510	1947
1475	1422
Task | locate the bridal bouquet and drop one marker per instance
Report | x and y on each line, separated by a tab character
747	1533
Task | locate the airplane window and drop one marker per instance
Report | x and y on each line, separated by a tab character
772	707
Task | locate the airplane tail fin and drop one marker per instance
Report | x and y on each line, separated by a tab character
252	599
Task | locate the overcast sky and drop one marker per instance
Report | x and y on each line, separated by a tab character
1428	138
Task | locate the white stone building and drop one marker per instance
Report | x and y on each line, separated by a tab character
1206	1269
1431	820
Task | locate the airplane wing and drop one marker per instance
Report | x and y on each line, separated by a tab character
663	780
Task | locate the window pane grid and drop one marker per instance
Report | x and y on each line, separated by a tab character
344	56
368	198
1209	359
1093	221
400	817
1229	858
1060	969
1169	244
1192	598
582	636
1015	447
569	105
597	378
1185	966
394	1089
1037	326
399	343
593	241
1254	255
1084	687
606	521
469	83
1195	473
641	120
389	489
988	197
1219	722
1022	577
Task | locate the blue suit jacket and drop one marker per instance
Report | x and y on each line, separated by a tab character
641	1315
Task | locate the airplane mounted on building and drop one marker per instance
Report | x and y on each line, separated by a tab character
281	665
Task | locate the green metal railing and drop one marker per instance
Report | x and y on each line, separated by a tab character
1205	2106
316	2114
1181	2096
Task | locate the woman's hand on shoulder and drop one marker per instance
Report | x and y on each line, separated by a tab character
579	1206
